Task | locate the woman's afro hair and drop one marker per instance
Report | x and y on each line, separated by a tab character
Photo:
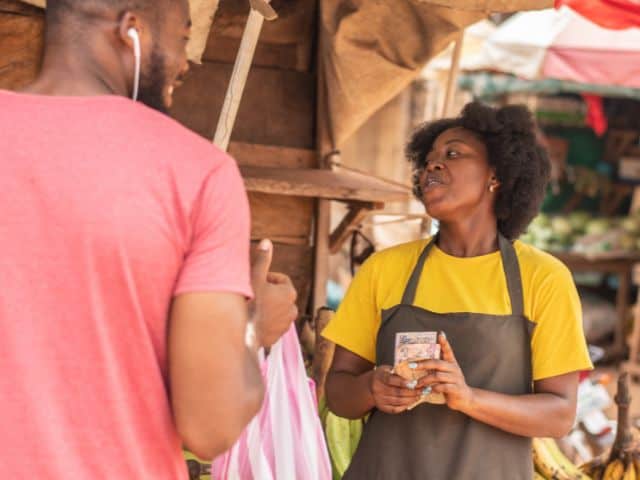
521	163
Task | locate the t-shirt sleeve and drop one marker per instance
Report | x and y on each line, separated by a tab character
355	325
558	344
218	256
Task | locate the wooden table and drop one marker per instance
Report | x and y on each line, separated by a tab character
621	266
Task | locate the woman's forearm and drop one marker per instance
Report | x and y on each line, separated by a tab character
349	395
534	415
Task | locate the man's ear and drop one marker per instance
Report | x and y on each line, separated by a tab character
129	21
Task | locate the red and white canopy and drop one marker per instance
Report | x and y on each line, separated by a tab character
564	45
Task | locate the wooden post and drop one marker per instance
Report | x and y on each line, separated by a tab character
259	10
321	274
624	438
323	352
635	200
624	287
632	365
323	209
453	76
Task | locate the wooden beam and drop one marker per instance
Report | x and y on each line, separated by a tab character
324	184
453	76
355	215
260	10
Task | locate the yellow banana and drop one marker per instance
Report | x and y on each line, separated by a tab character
545	463
636	464
614	471
595	471
537	476
567	466
630	472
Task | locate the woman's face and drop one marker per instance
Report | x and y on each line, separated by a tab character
456	180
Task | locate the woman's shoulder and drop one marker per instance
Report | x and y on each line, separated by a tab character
540	265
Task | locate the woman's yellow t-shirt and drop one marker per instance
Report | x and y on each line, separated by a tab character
477	284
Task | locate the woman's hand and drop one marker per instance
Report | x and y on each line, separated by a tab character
390	392
445	376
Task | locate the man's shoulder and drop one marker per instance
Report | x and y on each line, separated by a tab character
176	140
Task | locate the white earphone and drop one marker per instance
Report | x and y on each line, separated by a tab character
133	33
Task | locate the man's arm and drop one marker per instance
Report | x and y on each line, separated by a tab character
216	385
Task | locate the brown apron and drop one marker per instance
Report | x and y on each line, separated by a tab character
433	442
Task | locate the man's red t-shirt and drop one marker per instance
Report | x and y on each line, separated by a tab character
108	209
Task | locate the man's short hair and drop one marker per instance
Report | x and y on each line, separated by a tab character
61	10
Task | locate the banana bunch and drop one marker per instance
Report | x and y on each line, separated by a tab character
551	464
623	462
625	467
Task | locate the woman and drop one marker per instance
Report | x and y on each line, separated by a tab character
509	315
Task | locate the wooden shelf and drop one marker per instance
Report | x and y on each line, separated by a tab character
622	266
341	184
603	263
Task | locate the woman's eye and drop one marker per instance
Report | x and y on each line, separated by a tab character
452	153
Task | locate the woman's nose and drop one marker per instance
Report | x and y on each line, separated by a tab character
433	165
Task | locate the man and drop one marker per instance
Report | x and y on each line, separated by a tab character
125	267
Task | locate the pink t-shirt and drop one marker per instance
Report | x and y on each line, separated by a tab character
107	210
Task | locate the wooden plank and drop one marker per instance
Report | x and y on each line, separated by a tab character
254	155
277	106
287	56
21	44
281	217
319	183
295	261
19	8
294	25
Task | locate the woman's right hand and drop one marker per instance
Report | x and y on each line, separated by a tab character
390	392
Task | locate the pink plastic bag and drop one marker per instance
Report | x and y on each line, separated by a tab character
285	441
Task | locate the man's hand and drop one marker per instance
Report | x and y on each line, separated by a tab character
274	307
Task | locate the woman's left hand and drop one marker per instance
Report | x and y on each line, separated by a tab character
445	376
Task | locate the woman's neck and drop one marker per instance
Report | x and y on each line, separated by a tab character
470	238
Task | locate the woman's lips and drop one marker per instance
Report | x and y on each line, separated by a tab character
431	183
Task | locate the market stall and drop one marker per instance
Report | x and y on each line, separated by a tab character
580	80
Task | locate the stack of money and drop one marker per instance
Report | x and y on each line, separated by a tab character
412	347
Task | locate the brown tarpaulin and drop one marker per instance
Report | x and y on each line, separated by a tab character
202	12
371	50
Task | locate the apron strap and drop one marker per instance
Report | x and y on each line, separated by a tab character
512	271
510	265
412	285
